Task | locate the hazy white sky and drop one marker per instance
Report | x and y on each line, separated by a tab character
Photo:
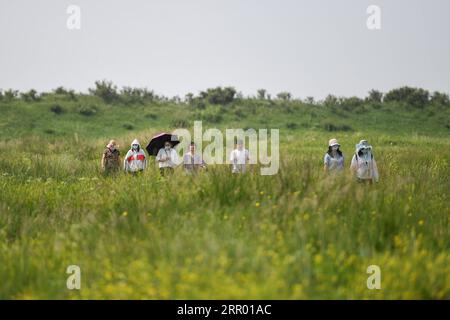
307	47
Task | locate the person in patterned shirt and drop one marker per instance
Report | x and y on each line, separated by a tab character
111	158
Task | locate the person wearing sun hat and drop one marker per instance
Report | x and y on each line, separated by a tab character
111	158
333	160
363	165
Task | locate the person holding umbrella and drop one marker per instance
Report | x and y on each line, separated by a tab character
135	160
167	158
161	146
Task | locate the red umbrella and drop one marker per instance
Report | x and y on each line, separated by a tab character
158	141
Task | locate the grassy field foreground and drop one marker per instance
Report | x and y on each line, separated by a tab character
294	235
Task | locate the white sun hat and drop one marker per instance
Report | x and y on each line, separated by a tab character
333	142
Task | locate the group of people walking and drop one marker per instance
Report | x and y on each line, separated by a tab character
363	165
135	160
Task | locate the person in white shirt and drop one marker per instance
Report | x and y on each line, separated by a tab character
239	158
167	159
363	165
193	161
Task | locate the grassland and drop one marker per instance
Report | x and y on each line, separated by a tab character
295	235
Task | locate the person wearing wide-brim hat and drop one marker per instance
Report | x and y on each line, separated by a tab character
111	158
333	160
363	165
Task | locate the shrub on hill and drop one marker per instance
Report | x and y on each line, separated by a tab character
151	115
10	94
105	90
219	95
180	123
128	126
61	91
334	127
87	110
285	96
440	99
415	97
29	96
56	109
131	96
374	96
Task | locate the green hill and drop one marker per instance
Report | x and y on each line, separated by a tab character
53	115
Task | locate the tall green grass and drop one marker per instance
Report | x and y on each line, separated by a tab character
294	235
